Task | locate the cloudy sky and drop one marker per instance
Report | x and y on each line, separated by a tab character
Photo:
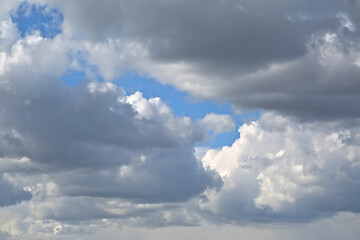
173	119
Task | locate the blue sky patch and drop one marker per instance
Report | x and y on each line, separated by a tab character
30	18
183	105
179	101
73	77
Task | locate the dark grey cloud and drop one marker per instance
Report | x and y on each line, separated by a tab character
165	176
265	55
99	144
11	195
225	35
93	140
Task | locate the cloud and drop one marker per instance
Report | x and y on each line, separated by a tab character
9	194
218	122
8	6
86	152
90	133
280	169
298	58
4	235
9	34
93	139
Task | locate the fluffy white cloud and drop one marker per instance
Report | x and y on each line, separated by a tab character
281	169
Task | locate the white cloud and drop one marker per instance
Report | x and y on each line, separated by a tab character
8	34
283	169
218	123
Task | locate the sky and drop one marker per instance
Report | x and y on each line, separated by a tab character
152	119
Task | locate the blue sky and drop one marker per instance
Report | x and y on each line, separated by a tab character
31	17
180	102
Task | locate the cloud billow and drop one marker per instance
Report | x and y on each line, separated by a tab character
281	170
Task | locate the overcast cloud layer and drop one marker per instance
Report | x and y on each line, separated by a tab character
92	159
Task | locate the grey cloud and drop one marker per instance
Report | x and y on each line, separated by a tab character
77	210
96	134
224	35
166	175
10	195
73	209
93	140
262	55
4	235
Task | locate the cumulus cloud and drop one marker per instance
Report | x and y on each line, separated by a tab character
279	169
